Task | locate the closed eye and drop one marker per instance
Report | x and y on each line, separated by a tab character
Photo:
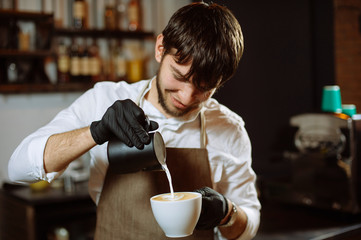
178	75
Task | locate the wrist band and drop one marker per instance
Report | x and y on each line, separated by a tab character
232	217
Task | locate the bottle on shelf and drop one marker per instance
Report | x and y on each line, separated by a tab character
134	15
63	63
95	68
121	15
32	36
79	14
24	41
12	72
50	69
110	15
111	74
135	61
84	62
120	62
74	62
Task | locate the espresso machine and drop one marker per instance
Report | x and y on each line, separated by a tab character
322	166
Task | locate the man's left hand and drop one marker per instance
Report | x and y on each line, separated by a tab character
214	208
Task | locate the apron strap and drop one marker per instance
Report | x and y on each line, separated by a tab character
203	129
137	100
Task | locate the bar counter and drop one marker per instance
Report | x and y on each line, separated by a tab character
31	215
282	221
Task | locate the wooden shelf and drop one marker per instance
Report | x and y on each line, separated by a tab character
25	15
25	54
44	87
102	33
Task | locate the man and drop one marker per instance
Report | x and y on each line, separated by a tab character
198	51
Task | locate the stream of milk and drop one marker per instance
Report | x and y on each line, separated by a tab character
167	172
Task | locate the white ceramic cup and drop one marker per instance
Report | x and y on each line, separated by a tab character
177	218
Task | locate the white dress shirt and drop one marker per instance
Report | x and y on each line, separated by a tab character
228	145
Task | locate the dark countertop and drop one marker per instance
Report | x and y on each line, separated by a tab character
49	195
26	214
285	221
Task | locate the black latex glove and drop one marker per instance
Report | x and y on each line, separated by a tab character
125	121
214	208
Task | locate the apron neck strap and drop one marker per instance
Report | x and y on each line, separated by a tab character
202	120
141	93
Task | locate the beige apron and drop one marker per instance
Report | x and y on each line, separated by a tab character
124	210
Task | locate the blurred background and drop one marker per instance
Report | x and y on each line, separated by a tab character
292	50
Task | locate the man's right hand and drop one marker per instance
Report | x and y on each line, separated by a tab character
125	121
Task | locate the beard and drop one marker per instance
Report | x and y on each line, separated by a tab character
162	100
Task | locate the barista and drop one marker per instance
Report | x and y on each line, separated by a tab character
198	51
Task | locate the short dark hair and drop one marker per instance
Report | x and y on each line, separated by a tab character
210	36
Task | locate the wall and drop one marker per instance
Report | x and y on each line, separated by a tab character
348	50
288	57
21	114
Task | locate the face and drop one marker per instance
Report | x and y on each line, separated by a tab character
177	95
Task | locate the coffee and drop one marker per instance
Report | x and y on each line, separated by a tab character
179	196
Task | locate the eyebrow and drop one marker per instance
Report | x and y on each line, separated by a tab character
184	78
178	73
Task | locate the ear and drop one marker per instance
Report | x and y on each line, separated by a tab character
159	49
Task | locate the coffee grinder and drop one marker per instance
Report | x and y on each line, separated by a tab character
323	165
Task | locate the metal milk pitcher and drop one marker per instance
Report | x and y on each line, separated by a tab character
123	159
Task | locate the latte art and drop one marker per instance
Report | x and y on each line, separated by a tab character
179	196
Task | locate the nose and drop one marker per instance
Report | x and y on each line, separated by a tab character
189	95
